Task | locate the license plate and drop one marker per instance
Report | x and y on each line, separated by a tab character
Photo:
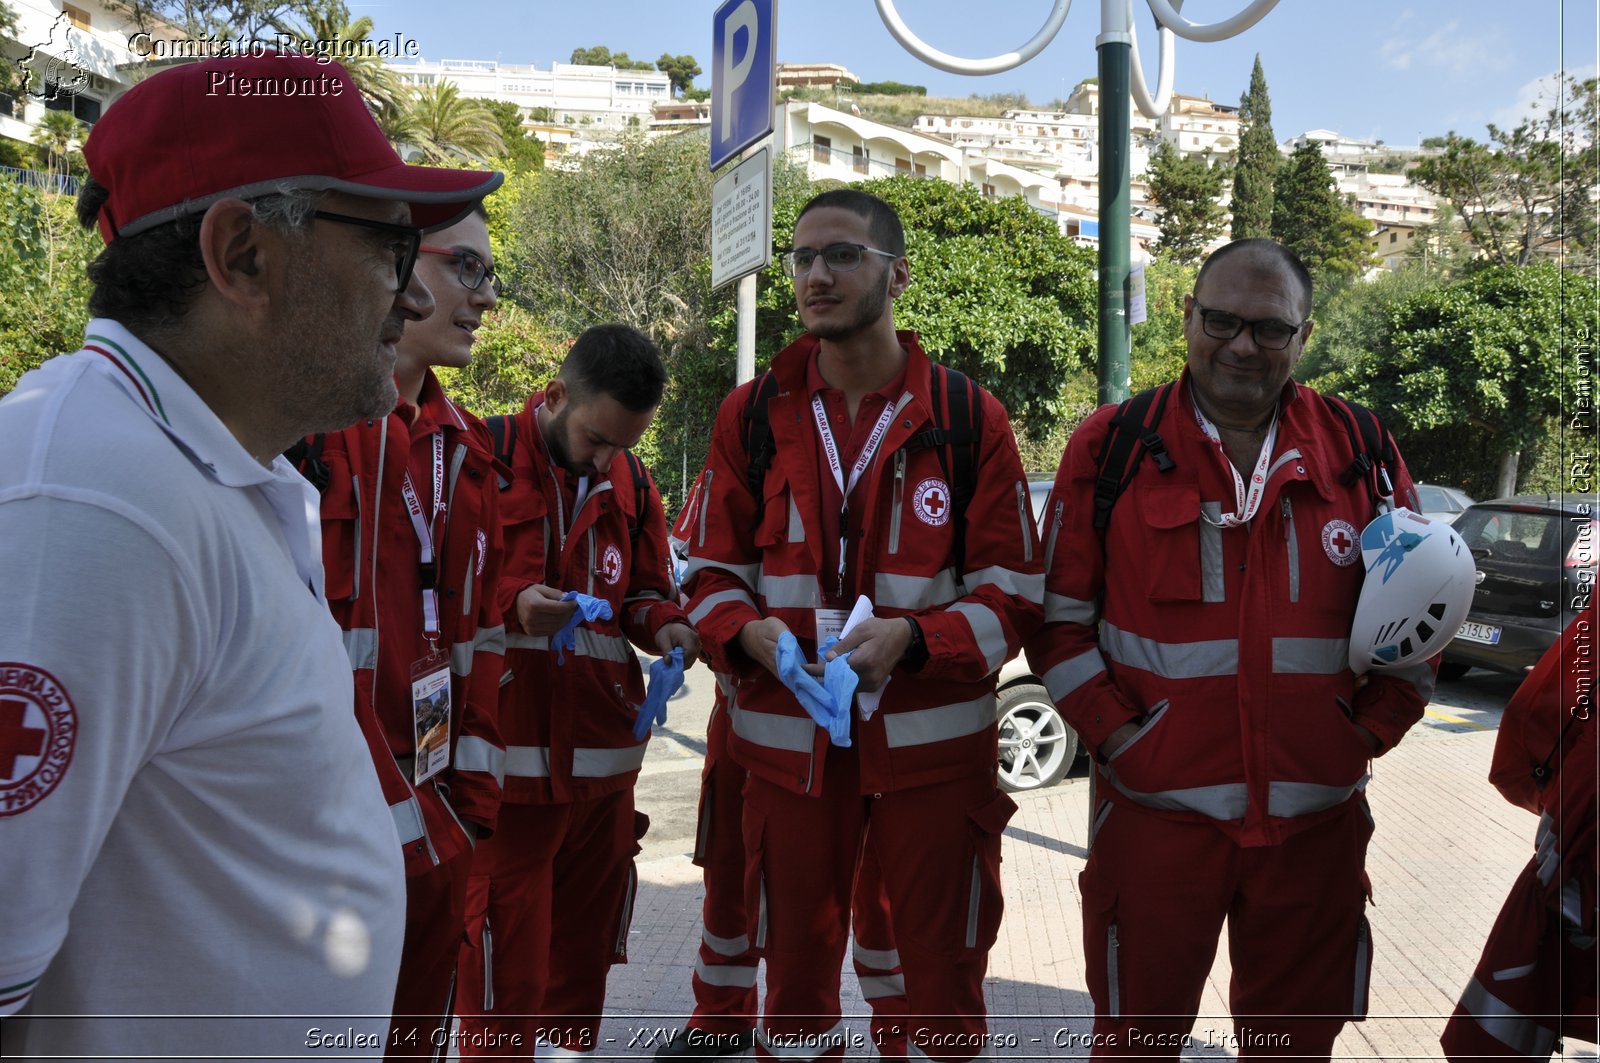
1488	634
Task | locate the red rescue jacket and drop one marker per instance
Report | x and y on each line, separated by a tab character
374	586
1232	643
569	728
934	724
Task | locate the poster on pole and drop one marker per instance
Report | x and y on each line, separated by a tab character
741	219
1136	302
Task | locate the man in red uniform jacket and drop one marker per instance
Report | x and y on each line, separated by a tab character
411	544
1199	644
552	892
850	507
1536	981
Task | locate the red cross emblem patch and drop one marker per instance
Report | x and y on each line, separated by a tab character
932	501
1341	542
611	564
38	732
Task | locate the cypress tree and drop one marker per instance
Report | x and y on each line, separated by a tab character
1258	161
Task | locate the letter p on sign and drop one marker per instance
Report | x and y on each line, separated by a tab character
743	73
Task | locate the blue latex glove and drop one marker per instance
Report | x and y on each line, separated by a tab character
589	608
840	680
666	676
815	697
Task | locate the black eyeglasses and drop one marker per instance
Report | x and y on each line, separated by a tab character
405	245
1269	334
840	258
469	268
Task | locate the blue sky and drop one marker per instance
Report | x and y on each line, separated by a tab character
1379	69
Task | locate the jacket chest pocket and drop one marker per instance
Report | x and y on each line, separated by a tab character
1169	559
780	517
526	526
342	529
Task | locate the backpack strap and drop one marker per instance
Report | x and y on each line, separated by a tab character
306	456
1132	435
957	434
1372	448
758	446
504	434
641	495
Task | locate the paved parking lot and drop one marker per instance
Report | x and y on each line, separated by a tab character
1445	852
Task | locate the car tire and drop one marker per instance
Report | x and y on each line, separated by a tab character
1450	671
1037	747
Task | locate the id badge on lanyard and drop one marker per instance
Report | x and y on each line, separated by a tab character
430	676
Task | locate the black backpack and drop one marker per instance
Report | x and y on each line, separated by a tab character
1133	435
504	434
957	441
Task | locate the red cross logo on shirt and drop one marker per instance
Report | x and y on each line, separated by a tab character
611	564
16	739
1341	541
934	503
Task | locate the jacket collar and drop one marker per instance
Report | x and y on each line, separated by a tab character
1301	428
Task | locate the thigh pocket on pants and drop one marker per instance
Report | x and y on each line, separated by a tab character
641	825
987	823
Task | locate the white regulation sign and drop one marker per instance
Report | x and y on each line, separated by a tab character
741	219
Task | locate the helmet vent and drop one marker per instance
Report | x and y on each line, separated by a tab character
1436	610
1424	630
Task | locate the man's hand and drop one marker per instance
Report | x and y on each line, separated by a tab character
679	633
541	611
1118	739
875	647
759	639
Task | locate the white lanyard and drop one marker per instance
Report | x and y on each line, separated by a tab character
423	526
1247	501
831	449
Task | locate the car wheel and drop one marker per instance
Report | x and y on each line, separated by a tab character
1450	671
1036	745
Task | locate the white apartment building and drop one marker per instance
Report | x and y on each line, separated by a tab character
602	97
77	57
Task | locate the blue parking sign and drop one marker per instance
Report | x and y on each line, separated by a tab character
743	75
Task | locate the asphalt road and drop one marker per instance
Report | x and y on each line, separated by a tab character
669	785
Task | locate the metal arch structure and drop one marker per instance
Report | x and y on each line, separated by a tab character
1122	82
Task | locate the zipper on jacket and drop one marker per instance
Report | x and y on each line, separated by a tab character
1293	543
466	581
355	568
899	494
487	941
974	901
594	560
627	910
377	622
1025	518
1113	978
705	495
1055	531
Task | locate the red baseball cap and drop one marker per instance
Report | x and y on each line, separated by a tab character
190	135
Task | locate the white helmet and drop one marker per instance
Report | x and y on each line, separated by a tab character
1417	592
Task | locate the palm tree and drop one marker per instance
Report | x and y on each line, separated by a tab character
380	86
57	133
443	125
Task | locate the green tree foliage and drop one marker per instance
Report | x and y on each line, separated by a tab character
523	152
1185	188
1530	187
1309	218
681	70
1257	165
445	125
1439	248
1477	372
378	83
890	88
515	356
42	264
600	55
250	20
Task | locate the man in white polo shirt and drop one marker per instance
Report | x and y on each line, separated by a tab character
190	824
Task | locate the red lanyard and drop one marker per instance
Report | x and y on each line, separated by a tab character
1246	501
